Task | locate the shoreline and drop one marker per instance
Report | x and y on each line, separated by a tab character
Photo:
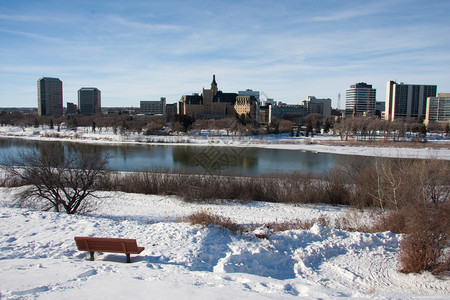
309	144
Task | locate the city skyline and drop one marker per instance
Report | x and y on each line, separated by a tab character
144	51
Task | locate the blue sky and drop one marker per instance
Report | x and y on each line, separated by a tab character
143	50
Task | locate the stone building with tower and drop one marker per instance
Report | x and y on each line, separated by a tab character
211	104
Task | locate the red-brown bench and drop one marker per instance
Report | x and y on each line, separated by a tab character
114	245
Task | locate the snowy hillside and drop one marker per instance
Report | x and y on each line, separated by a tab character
39	259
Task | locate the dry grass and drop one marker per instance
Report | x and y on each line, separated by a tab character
206	218
293	188
349	221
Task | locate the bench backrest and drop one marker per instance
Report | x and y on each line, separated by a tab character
92	244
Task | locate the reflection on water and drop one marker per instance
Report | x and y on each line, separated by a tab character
205	159
215	159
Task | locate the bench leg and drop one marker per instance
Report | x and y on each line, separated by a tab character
128	258
92	255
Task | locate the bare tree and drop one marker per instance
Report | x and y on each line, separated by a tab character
58	181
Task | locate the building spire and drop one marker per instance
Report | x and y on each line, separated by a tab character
214	85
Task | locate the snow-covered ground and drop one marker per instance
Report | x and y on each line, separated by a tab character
39	259
282	141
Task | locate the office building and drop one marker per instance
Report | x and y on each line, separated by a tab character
318	106
287	112
71	108
380	107
438	108
249	92
89	101
154	107
407	100
50	96
360	100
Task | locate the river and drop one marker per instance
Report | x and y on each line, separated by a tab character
192	158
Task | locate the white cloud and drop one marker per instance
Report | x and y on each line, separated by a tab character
287	50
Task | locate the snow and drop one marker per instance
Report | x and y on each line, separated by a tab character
39	259
282	141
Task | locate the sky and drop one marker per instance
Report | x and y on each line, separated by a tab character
143	50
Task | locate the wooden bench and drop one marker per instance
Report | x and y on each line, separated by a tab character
114	245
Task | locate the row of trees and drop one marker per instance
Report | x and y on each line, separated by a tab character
362	128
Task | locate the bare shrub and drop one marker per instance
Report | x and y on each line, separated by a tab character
298	188
396	183
424	246
57	180
206	218
155	181
393	221
336	191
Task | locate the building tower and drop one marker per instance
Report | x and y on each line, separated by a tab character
360	99
407	100
214	88
89	101
208	95
50	96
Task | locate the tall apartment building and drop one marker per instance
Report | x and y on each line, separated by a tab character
438	108
50	96
360	99
89	101
154	107
318	106
407	100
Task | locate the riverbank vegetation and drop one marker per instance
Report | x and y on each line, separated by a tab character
358	129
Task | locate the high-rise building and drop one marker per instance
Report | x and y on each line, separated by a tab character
407	100
50	96
438	108
360	99
89	101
